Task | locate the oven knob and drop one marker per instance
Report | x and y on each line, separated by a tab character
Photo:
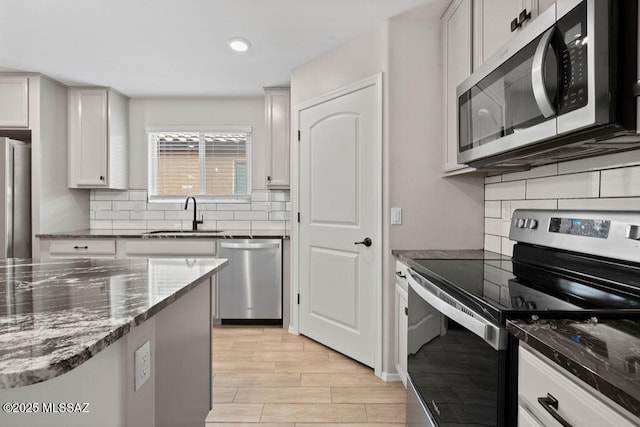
520	223
531	223
633	232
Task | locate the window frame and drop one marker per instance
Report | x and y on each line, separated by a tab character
153	198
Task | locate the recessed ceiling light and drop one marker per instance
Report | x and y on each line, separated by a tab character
239	44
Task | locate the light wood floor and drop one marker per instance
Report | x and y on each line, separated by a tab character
266	377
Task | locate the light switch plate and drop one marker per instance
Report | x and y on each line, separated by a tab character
142	364
396	216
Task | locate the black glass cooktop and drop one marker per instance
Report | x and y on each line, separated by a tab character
503	289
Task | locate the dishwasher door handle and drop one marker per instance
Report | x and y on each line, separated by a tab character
249	245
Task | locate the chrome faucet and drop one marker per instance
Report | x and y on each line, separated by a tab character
195	222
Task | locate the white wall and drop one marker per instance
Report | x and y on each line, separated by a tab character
195	112
609	182
437	212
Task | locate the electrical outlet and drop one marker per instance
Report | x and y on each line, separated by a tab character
142	368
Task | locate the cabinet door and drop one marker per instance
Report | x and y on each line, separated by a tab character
277	116
88	137
457	53
493	26
401	333
541	5
14	102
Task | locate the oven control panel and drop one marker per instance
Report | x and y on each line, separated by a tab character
603	233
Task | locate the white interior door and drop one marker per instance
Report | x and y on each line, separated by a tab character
340	194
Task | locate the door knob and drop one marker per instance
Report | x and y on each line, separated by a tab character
367	242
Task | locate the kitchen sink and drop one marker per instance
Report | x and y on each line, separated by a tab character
183	232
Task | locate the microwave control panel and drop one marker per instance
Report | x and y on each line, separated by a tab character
572	57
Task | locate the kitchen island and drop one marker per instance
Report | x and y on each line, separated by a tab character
69	329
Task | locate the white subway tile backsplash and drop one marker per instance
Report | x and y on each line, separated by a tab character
138	195
605	204
493	226
507	246
179	215
218	215
627	158
261	206
493	179
542	171
250	215
580	185
260	196
531	204
100	205
156	206
492	209
119	215
130	210
279	216
111	195
131	225
101	225
147	215
492	243
234	225
267	225
234	206
623	182
505	191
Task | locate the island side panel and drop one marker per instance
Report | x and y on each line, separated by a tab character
100	381
183	360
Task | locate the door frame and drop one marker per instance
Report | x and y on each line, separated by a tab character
376	81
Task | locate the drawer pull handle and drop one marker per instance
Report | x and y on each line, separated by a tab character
400	275
550	404
81	247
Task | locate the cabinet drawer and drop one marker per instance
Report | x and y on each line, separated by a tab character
82	248
171	247
401	275
576	402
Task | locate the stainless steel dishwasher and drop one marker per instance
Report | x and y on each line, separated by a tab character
250	287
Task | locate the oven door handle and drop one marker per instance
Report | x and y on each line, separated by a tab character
485	330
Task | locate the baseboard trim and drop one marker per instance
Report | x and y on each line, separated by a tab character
390	377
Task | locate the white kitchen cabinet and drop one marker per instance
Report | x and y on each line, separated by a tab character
401	321
98	138
577	402
492	23
14	102
456	27
80	248
179	247
278	127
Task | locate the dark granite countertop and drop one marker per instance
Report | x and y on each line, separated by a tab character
56	314
144	234
604	354
408	255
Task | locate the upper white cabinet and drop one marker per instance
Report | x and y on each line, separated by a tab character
493	23
278	118
14	101
457	53
98	138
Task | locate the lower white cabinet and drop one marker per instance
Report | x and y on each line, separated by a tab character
545	389
82	248
401	321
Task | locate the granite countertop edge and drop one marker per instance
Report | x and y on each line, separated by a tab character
480	254
575	368
142	234
34	376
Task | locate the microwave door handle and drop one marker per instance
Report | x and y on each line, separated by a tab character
537	75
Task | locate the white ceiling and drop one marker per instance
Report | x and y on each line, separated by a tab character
178	47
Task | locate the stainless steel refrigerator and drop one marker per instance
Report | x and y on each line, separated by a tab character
15	198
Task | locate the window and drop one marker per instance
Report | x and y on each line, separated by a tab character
206	164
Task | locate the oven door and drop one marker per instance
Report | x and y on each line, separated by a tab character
457	362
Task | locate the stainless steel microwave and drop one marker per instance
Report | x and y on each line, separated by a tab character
564	88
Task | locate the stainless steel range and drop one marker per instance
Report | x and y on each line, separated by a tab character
462	362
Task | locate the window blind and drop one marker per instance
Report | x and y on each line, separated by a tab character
198	163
